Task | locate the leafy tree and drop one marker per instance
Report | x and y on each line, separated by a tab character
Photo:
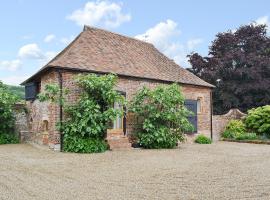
17	90
85	122
7	118
163	116
239	65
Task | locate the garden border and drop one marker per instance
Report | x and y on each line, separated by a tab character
246	141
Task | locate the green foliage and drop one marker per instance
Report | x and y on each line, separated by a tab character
202	139
163	114
7	119
228	134
92	115
258	120
52	92
17	90
247	136
84	145
238	65
87	120
8	138
234	129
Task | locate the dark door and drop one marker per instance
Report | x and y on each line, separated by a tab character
191	105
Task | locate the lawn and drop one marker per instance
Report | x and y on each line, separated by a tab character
221	170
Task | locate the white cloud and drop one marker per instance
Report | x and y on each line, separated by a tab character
30	51
67	40
160	34
12	65
264	20
100	13
164	36
49	38
13	80
33	52
191	44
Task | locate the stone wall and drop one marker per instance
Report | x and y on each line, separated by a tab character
220	122
21	122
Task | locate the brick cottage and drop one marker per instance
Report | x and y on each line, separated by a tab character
136	64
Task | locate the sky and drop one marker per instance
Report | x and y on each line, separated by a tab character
33	32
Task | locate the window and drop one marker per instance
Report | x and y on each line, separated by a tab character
118	122
32	90
199	105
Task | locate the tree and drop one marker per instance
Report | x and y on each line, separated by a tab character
17	90
7	118
239	65
163	116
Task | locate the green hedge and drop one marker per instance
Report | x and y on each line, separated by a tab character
202	139
258	120
84	145
8	139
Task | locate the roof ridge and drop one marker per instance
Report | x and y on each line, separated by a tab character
65	49
87	28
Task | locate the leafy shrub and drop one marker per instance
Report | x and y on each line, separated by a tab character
161	138
258	120
247	136
227	134
8	139
202	139
84	145
234	129
7	118
163	116
86	122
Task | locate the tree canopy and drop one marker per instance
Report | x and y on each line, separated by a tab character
238	64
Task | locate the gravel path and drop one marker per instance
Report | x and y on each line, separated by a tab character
218	171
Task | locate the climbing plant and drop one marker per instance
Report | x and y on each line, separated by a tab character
85	122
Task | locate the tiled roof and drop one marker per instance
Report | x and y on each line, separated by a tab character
103	51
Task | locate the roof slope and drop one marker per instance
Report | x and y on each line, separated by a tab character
103	51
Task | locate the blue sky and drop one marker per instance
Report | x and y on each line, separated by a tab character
32	32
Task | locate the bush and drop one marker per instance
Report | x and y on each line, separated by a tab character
163	116
8	139
84	145
258	120
161	138
7	118
202	139
247	136
227	134
234	129
87	121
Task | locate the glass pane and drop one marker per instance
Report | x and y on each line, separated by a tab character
118	123
199	105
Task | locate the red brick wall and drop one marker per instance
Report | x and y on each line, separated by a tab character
127	85
40	112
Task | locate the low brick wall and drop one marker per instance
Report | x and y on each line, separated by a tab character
220	121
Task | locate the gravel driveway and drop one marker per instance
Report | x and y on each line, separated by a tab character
218	171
